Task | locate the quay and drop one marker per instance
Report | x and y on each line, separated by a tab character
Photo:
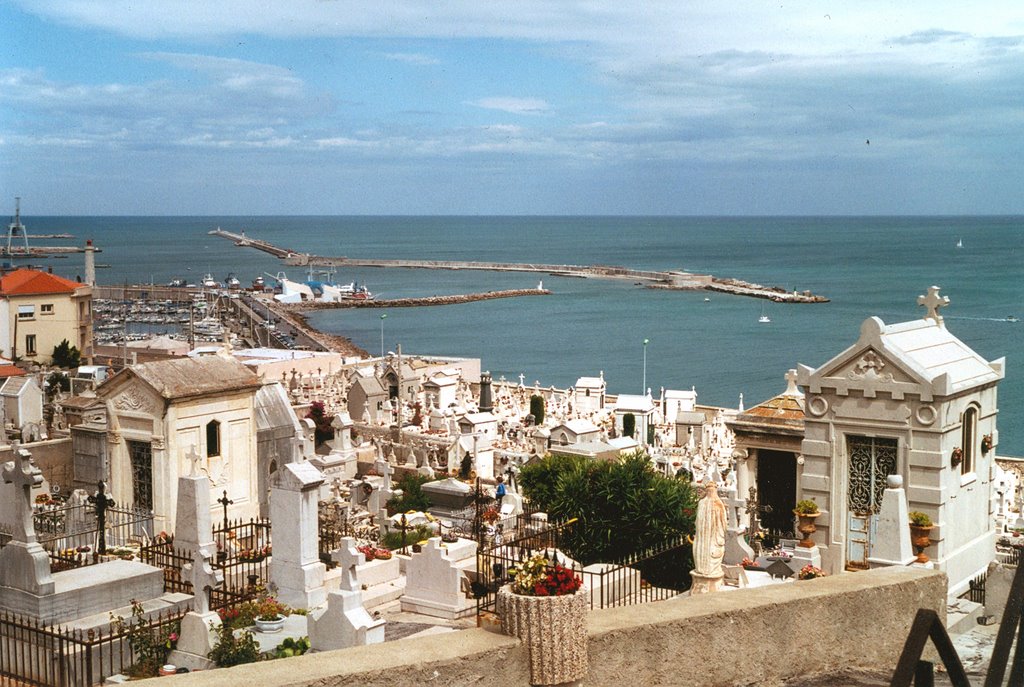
677	280
415	302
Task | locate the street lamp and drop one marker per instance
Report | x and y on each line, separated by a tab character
383	317
644	390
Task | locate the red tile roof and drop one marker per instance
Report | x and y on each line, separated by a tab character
25	282
10	371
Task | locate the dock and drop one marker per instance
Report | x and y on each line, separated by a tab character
675	280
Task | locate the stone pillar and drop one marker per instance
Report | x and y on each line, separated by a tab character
892	538
295	566
193	529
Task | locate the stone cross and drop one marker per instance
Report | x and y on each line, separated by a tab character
522	378
348	557
754	509
791	388
195	459
22	473
225	501
101	502
933	301
203	577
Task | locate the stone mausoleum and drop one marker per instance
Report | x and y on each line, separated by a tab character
908	399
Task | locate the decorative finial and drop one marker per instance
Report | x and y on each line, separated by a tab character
791	388
933	301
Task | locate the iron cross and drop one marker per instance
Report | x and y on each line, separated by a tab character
225	501
754	509
101	503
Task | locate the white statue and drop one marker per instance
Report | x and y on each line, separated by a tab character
709	541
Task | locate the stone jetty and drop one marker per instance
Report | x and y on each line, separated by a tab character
415	302
678	280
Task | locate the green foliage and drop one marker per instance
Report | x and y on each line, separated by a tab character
393	540
537	408
149	644
623	507
231	650
919	519
806	507
412	497
57	380
65	355
292	647
628	424
465	466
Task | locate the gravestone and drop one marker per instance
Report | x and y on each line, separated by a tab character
434	579
24	564
344	622
295	567
892	539
193	521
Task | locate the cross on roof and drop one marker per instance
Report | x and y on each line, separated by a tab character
933	301
348	558
791	388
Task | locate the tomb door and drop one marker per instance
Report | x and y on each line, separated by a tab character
141	454
871	460
776	487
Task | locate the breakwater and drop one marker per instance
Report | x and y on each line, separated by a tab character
416	302
670	279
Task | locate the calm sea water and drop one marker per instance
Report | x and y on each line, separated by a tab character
866	265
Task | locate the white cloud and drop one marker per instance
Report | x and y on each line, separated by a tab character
413	58
512	105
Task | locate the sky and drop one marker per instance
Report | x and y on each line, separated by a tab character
549	107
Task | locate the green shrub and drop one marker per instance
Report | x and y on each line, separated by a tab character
806	507
65	355
919	519
412	497
393	540
628	424
231	650
537	408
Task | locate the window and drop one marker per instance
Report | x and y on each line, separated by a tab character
213	438
969	437
26	312
30	344
141	456
46	309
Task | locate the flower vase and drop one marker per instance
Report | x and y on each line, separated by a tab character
920	537
554	629
269	626
806	528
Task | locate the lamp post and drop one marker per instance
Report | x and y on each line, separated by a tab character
644	390
383	317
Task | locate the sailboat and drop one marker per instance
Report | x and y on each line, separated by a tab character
959	243
764	317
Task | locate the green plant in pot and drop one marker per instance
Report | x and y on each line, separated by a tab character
806	511
920	534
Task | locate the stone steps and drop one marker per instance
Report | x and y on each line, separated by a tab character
380	594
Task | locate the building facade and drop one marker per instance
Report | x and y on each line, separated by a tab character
38	310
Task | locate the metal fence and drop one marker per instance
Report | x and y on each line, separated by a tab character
34	654
652	575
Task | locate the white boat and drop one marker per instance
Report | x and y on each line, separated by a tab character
209	282
959	243
764	317
232	281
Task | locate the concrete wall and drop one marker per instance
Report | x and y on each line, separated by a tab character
54	457
749	636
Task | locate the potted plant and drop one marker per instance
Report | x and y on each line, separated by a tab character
546	608
807	512
920	534
269	615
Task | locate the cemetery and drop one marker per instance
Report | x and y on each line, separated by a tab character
252	520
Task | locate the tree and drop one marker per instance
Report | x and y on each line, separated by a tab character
622	508
628	424
55	381
318	414
412	497
65	355
537	408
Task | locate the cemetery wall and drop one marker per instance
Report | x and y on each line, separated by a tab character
54	458
749	636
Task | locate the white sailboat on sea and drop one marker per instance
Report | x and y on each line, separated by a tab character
764	317
959	243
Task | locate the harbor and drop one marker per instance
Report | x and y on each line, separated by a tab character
675	280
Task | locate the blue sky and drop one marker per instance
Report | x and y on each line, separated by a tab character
526	107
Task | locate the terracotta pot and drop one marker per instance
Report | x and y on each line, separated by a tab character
554	629
920	537
167	669
807	528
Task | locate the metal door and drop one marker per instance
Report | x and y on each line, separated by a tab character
871	460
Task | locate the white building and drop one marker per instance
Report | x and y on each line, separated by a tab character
589	394
641	408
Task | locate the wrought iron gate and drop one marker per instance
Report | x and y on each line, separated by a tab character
871	460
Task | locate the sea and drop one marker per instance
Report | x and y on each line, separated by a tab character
866	266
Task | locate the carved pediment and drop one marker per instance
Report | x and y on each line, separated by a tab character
136	398
867	370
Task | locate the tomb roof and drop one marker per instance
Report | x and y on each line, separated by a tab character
633	403
185	377
272	409
590	383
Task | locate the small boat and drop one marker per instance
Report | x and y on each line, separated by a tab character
764	317
707	300
1011	318
209	282
960	243
258	284
177	283
232	281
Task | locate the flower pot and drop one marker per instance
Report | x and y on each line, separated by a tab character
167	670
554	629
920	537
806	528
269	626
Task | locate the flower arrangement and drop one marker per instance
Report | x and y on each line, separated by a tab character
45	500
269	608
809	572
254	555
747	563
986	444
919	519
372	553
806	507
780	553
491	515
538	577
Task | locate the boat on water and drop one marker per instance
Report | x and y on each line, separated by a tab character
959	243
177	283
764	319
231	281
258	284
209	282
326	290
